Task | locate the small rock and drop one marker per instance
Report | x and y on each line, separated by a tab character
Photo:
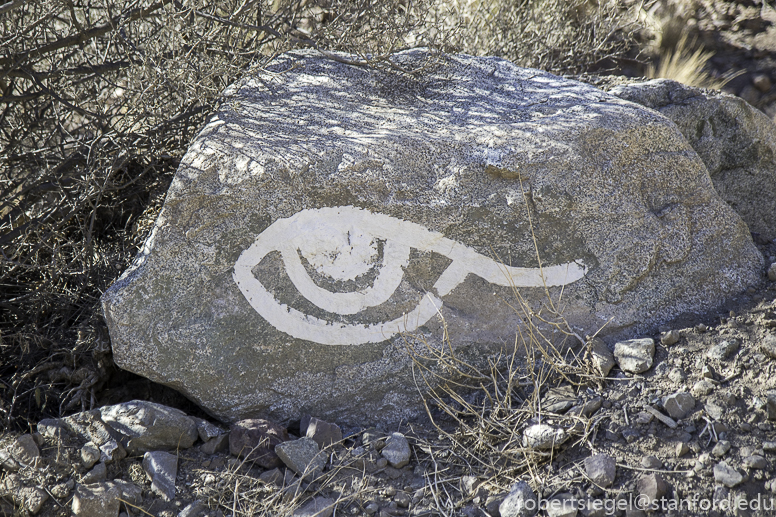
601	356
670	338
206	430
24	450
7	462
702	387
727	475
402	499
755	461
635	355
98	500
130	492
316	507
559	400
396	450
762	82
682	449
723	349
161	468
676	375
371	435
90	454
715	411
323	433
772	272
769	446
652	486
216	444
701	328
768	346
707	372
62	490
651	462
679	404
111	451
371	508
469	484
601	469
97	474
149	426
543	436
721	448
770	404
272	477
255	440
195	509
302	456
562	505
31	498
520	502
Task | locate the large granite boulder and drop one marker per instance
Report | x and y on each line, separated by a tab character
736	142
327	211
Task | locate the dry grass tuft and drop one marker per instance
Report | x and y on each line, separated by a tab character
686	66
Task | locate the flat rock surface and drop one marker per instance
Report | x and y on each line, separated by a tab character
326	209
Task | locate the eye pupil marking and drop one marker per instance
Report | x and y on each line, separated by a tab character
341	241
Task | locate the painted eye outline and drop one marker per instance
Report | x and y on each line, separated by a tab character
288	236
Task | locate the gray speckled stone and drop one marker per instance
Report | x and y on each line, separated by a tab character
520	502
302	456
736	141
161	468
397	450
149	426
325	208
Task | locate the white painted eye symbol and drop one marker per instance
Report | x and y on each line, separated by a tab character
340	242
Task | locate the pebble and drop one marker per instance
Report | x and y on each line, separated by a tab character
161	468
520	502
755	461
24	450
219	443
635	355
702	387
679	405
651	462
402	499
769	446
723	349
721	448
727	475
543	436
149	426
770	405
601	356
768	346
302	456
670	338
255	440
601	469
98	473
90	454
762	82
323	433
195	509
98	500
652	486
772	272
206	430
676	375
707	372
397	450
682	449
